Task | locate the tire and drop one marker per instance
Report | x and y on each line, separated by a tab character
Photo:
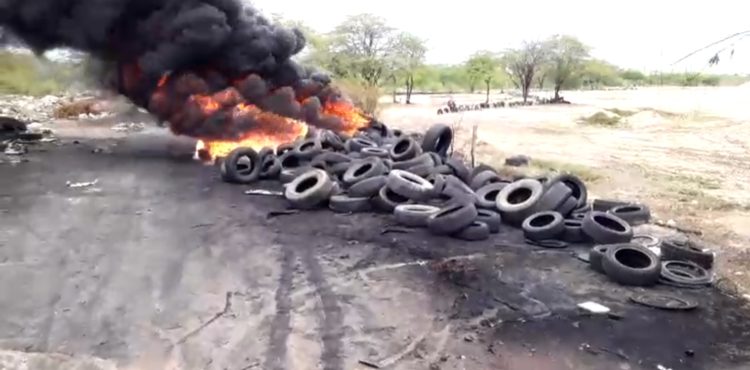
320	164
331	141
291	160
284	148
576	186
422	170
443	170
596	256
573	231
634	214
491	218
332	158
265	152
647	241
604	205
452	219
414	215
405	149
356	144
458	191
437	160
555	195
484	178
547	225
604	228
347	204
675	250
387	200
567	207
477	231
438	183
685	273
374	152
438	139
421	160
241	166
270	167
578	216
481	168
362	170
410	185
339	169
487	195
517	200
631	264
459	169
309	148
309	189
368	188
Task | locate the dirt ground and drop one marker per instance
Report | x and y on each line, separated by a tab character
683	151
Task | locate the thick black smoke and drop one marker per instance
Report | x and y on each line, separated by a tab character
161	35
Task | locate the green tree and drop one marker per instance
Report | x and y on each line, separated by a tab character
363	47
524	63
566	59
597	73
482	67
633	77
408	57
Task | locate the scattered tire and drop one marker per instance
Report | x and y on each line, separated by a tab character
374	152
479	169
476	231
491	218
387	200
414	215
437	160
596	256
545	225
555	194
361	170
685	273
443	170
422	170
458	191
333	158
676	250
487	195
421	160
410	185
309	148
331	141
634	214
573	231
309	189
356	144
241	166
631	264
270	167
567	207
517	200
438	183
404	149
647	241
368	188
291	160
284	148
438	139
604	228
459	169
348	204
265	152
338	169
577	187
452	219
604	205
664	302
484	178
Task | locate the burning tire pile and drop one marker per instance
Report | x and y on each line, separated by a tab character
383	170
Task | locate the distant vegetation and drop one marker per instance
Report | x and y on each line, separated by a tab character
29	75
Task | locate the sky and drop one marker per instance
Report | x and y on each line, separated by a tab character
643	34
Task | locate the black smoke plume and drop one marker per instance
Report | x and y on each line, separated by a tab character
217	48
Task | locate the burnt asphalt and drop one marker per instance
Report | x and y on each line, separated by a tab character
161	265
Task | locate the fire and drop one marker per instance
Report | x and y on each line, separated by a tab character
273	131
163	80
208	105
353	118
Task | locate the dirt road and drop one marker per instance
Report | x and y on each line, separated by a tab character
159	265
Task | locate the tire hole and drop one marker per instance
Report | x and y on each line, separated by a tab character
402	146
491	196
632	258
306	184
609	223
627	209
542	220
363	169
449	211
519	196
396	198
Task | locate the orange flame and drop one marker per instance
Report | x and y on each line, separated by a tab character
208	105
163	80
353	118
274	130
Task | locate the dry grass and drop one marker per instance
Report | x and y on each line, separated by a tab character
601	119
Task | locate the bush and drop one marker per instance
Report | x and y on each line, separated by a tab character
363	96
601	119
25	74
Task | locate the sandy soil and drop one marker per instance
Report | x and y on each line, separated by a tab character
684	151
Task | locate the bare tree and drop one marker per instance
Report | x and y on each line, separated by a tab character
523	64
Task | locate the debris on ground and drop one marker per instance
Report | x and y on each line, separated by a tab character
15	148
664	302
594	307
75	185
518	161
128	127
263	192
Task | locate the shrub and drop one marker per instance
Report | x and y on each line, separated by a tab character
363	96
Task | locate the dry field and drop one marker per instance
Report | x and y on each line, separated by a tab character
683	151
